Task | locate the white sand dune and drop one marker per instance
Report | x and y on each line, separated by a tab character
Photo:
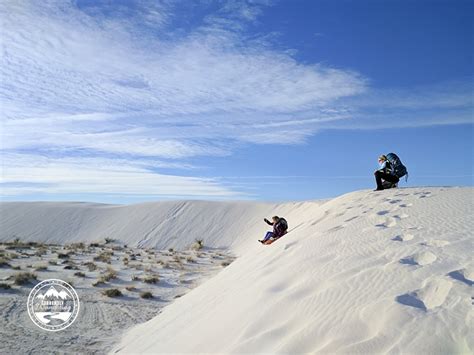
367	272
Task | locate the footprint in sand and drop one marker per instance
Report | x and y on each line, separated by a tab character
387	223
404	237
422	259
465	275
431	295
401	216
435	243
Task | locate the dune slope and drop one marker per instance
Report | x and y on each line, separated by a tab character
368	272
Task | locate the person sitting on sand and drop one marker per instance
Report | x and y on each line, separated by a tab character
280	228
385	173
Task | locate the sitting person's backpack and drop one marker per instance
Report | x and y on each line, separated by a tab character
398	168
281	226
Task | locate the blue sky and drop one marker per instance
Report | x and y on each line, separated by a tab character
129	101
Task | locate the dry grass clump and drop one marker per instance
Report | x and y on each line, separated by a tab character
24	278
190	259
91	266
112	292
104	257
225	263
63	255
151	279
79	274
52	262
16	267
4	262
146	295
198	244
125	260
76	246
131	288
110	274
4	286
99	282
136	278
41	267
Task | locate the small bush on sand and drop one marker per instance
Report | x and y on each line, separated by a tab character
23	278
171	250
79	274
104	257
99	282
131	288
63	255
112	292
136	278
125	261
4	286
16	267
91	266
225	263
52	262
41	268
190	259
198	244
4	263
110	274
151	279
146	295
109	240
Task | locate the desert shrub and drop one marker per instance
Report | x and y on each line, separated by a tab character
109	240
63	255
136	278
110	274
225	263
146	295
76	246
131	288
151	279
16	267
52	262
4	262
171	250
99	282
190	259
41	251
198	244
5	286
41	268
91	266
79	274
125	260
94	245
112	292
24	278
104	257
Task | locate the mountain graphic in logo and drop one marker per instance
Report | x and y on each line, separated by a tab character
52	293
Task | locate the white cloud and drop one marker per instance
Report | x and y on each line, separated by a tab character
29	174
120	80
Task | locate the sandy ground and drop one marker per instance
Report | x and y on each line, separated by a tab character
101	319
368	272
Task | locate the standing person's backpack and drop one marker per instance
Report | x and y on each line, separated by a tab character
281	226
398	168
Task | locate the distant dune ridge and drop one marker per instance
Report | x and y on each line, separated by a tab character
367	272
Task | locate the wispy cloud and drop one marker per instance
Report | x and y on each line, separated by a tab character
137	82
